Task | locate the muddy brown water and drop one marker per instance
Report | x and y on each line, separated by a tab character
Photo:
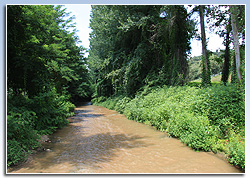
98	140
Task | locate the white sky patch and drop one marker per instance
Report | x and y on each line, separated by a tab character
214	41
82	14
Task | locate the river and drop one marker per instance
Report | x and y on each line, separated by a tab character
98	140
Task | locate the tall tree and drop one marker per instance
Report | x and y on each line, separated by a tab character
220	21
206	78
226	65
234	22
134	46
41	51
179	32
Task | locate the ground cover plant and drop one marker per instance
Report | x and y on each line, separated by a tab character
139	64
29	118
208	119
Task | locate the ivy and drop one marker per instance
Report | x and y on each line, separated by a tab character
138	42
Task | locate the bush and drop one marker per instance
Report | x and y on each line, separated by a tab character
121	104
236	150
28	118
197	133
226	102
202	118
224	106
52	111
98	100
21	126
22	137
15	152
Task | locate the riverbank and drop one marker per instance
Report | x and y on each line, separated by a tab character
28	118
98	140
206	119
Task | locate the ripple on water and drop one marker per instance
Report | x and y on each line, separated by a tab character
99	140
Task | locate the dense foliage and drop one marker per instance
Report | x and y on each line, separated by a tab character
45	71
133	46
137	50
211	118
138	64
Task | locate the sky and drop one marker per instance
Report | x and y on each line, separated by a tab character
82	14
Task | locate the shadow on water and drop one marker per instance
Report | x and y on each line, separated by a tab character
75	148
96	141
101	147
85	113
87	151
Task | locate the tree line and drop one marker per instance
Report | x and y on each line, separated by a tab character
46	74
140	66
42	52
148	45
132	47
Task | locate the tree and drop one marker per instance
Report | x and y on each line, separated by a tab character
220	20
41	51
234	21
45	69
180	31
136	46
226	66
206	74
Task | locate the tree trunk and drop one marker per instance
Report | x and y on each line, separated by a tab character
206	75
226	66
236	40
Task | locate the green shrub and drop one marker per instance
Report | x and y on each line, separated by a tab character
197	133
15	152
21	136
52	111
134	109
21	125
224	106
227	102
121	104
98	100
202	118
236	150
237	154
27	118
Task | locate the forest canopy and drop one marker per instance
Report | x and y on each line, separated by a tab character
133	46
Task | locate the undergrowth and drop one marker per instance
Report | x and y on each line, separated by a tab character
208	119
28	118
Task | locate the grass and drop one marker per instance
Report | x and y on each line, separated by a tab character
215	79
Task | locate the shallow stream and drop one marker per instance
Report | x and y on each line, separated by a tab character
98	140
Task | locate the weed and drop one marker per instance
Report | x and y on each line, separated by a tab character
202	118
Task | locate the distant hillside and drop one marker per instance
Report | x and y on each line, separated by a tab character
195	67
